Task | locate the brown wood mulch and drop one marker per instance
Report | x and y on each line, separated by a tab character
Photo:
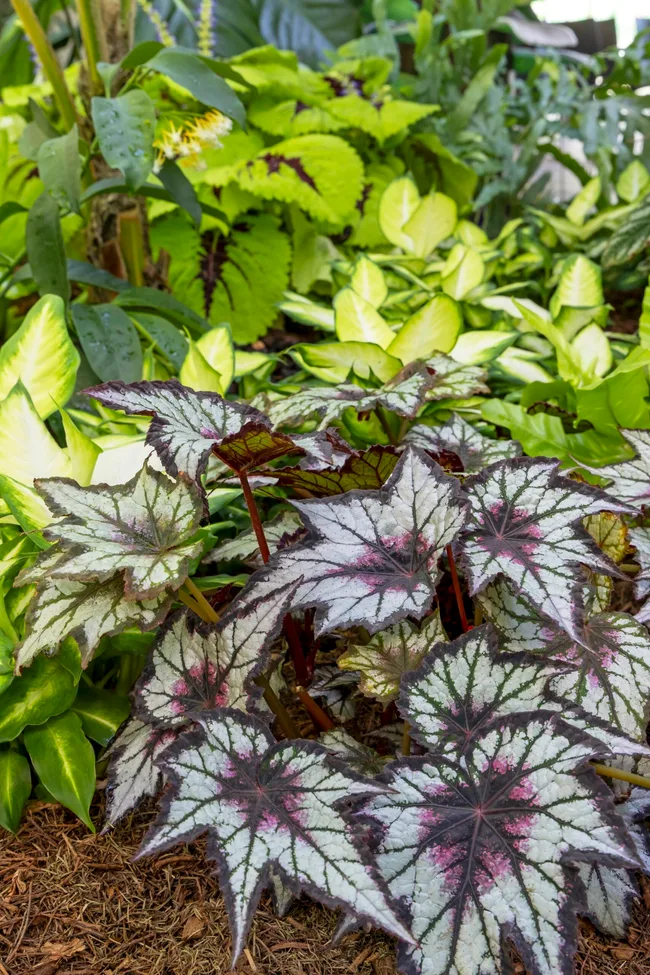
73	903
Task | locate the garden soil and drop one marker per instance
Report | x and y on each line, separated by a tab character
73	903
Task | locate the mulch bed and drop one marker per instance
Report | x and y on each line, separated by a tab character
72	903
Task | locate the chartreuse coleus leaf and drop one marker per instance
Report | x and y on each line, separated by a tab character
188	426
475	450
269	804
481	848
525	524
367	470
390	655
244	547
132	772
145	528
630	480
606	666
611	890
370	557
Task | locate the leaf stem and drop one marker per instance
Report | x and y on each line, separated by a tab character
385	425
285	720
478	614
457	590
616	773
91	30
207	611
406	739
322	721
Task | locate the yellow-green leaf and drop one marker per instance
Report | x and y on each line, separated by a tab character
197	373
357	321
434	327
432	222
398	203
368	281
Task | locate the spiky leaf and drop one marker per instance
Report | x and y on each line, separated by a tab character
371	557
132	772
456	434
390	655
266	804
480	849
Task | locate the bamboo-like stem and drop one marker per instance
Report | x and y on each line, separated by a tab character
45	52
132	246
406	739
457	590
322	721
92	37
207	611
285	720
616	773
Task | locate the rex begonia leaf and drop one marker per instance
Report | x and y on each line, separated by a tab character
186	426
610	534
244	548
474	450
640	538
453	380
370	557
86	611
525	523
403	395
390	655
611	890
360	757
132	772
367	470
337	689
630	480
480	848
323	448
145	528
268	805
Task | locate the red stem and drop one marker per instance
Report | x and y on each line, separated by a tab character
249	498
322	721
457	590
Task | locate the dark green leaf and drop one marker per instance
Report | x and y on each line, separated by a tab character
189	71
115	184
140	54
44	689
180	189
125	129
64	760
15	787
10	209
101	712
95	277
6	661
110	341
149	299
169	339
59	166
45	250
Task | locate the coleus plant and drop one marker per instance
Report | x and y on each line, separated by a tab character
493	824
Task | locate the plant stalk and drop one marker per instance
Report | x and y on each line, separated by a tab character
285	720
615	773
406	739
45	52
322	721
457	590
208	612
91	29
385	425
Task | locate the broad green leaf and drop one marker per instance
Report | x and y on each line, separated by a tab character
41	354
463	271
64	760
125	129
633	182
197	373
569	363
169	339
307	312
368	281
59	166
593	351
45	249
189	71
180	189
15	787
357	321
217	349
476	347
520	365
398	203
249	362
579	286
644	320
432	222
26	506
80	449
109	341
469	234
101	712
6	661
334	361
381	120
27	449
433	328
584	201
44	689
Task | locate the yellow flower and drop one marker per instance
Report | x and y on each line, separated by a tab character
191	138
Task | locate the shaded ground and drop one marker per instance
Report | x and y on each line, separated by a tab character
73	904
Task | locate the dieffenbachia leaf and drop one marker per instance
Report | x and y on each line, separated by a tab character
244	547
188	426
370	557
474	450
453	380
366	471
630	480
403	395
611	890
390	655
266	804
86	611
607	667
525	524
145	528
480	848
132	772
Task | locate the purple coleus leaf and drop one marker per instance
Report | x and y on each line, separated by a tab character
480	848
132	772
630	480
269	805
526	524
475	450
188	426
370	557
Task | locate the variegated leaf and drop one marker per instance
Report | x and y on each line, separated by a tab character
266	804
630	480
370	558
365	471
244	547
479	849
360	757
453	380
132	772
610	534
145	528
86	611
474	450
391	654
338	690
323	448
525	523
640	538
